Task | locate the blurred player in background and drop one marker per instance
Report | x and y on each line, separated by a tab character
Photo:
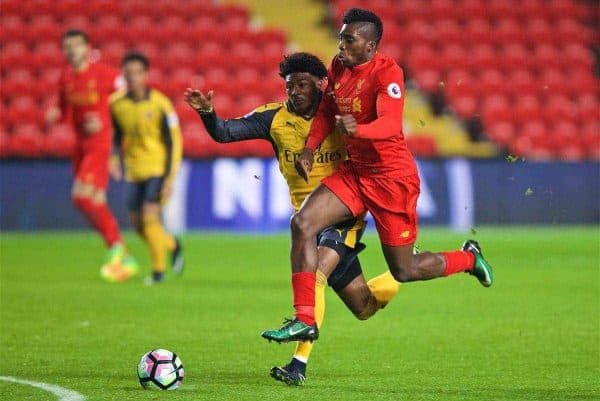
285	125
148	136
364	100
84	89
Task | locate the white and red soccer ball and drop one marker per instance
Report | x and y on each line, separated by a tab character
161	369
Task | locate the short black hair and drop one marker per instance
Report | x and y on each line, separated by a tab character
362	15
302	62
71	33
135	56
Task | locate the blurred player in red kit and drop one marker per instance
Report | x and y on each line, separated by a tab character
84	89
364	100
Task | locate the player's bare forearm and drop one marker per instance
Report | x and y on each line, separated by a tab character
304	163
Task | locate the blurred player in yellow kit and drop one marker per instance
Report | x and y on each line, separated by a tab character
285	125
148	137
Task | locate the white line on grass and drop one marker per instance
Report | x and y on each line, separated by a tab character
63	394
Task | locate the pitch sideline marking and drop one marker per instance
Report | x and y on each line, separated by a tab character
62	393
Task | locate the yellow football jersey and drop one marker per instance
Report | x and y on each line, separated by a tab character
288	134
148	134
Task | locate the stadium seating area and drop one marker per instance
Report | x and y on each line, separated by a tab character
525	68
189	42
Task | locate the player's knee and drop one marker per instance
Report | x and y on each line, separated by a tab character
301	225
402	273
363	314
80	202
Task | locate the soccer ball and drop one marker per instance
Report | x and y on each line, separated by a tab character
161	369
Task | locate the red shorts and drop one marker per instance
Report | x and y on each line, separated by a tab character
90	166
391	201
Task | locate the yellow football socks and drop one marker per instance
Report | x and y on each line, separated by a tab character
159	242
304	348
383	287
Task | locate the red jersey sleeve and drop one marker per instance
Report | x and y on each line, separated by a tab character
324	120
390	103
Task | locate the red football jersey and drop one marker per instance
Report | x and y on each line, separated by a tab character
85	92
374	94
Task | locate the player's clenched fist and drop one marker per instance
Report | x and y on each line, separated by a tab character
304	163
346	124
198	101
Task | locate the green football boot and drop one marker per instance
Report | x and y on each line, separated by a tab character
292	330
115	254
482	270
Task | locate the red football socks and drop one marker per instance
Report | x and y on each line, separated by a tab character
100	216
303	284
458	261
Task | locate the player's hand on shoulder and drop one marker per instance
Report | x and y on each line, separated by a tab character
346	124
198	100
304	163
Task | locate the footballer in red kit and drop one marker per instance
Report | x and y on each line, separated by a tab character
364	101
84	90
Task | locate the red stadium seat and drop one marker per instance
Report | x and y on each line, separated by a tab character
453	56
508	30
478	30
502	132
465	106
527	108
460	82
107	28
513	54
560	107
13	54
17	81
492	81
588	108
482	56
496	108
539	31
5	142
447	30
112	52
23	109
521	82
546	55
422	145
180	54
47	54
575	54
428	79
27	141
60	141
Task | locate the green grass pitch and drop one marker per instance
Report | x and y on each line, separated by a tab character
533	336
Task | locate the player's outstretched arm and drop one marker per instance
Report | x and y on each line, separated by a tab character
256	125
199	101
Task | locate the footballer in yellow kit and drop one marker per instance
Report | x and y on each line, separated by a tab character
148	137
286	125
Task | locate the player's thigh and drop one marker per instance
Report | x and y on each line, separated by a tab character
322	208
91	175
393	205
